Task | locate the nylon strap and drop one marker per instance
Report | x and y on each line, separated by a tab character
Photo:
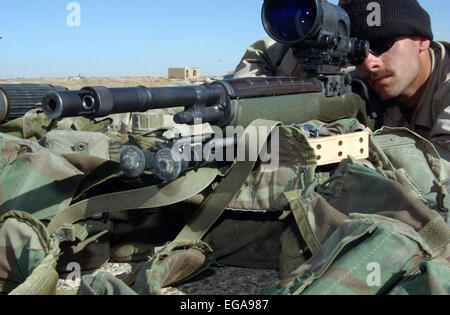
436	234
192	183
214	205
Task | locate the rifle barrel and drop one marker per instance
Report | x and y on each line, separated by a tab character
100	101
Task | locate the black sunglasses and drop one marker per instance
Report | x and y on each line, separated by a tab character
380	46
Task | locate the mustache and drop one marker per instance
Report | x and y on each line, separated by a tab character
379	74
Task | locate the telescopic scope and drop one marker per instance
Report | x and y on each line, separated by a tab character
291	22
306	25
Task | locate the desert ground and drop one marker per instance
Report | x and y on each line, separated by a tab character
78	82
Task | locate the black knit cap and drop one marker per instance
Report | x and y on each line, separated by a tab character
398	18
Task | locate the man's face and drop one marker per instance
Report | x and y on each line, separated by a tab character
396	72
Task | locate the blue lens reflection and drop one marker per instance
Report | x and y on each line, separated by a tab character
291	20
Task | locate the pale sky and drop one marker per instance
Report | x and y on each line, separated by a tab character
137	37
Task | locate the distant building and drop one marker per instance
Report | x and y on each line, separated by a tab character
184	73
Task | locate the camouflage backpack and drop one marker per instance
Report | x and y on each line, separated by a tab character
41	183
38	183
370	234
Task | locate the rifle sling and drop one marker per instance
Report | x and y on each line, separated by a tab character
216	202
192	183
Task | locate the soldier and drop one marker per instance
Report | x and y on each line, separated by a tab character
406	69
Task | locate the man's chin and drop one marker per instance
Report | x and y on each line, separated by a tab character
385	97
384	94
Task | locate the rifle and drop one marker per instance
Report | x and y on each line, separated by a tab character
319	34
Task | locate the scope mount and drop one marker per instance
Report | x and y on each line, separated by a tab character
318	64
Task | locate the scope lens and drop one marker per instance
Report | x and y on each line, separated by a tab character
290	20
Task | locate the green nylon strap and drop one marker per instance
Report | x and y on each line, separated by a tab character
192	183
436	234
85	242
216	202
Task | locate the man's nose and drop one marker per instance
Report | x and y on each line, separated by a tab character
371	63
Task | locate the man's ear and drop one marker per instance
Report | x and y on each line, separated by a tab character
424	44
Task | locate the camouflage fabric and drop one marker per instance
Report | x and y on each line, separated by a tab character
153	120
34	179
264	190
326	129
293	252
354	188
71	141
34	125
27	256
433	278
389	213
426	178
266	57
176	262
296	166
91	247
42	183
367	254
320	215
252	238
103	283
